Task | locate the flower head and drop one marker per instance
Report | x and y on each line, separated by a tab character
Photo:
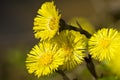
114	64
104	44
44	59
73	46
46	23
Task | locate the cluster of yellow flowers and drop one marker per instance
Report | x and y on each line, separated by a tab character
67	48
64	50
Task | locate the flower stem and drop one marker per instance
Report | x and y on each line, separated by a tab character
65	26
91	66
63	74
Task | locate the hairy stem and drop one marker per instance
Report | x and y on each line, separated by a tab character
64	26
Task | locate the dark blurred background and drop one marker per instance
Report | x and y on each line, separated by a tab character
16	34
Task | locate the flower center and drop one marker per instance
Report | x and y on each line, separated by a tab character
105	43
68	51
52	23
46	59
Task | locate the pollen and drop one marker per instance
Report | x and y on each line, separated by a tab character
52	23
46	59
105	43
68	51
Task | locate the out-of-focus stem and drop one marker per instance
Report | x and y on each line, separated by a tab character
63	74
91	67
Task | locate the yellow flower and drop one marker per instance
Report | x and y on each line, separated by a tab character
44	59
46	23
73	46
114	64
104	44
84	23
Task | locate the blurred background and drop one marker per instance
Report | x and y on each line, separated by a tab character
16	34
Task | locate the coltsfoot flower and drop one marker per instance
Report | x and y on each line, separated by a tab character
46	23
104	44
73	45
114	64
44	59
